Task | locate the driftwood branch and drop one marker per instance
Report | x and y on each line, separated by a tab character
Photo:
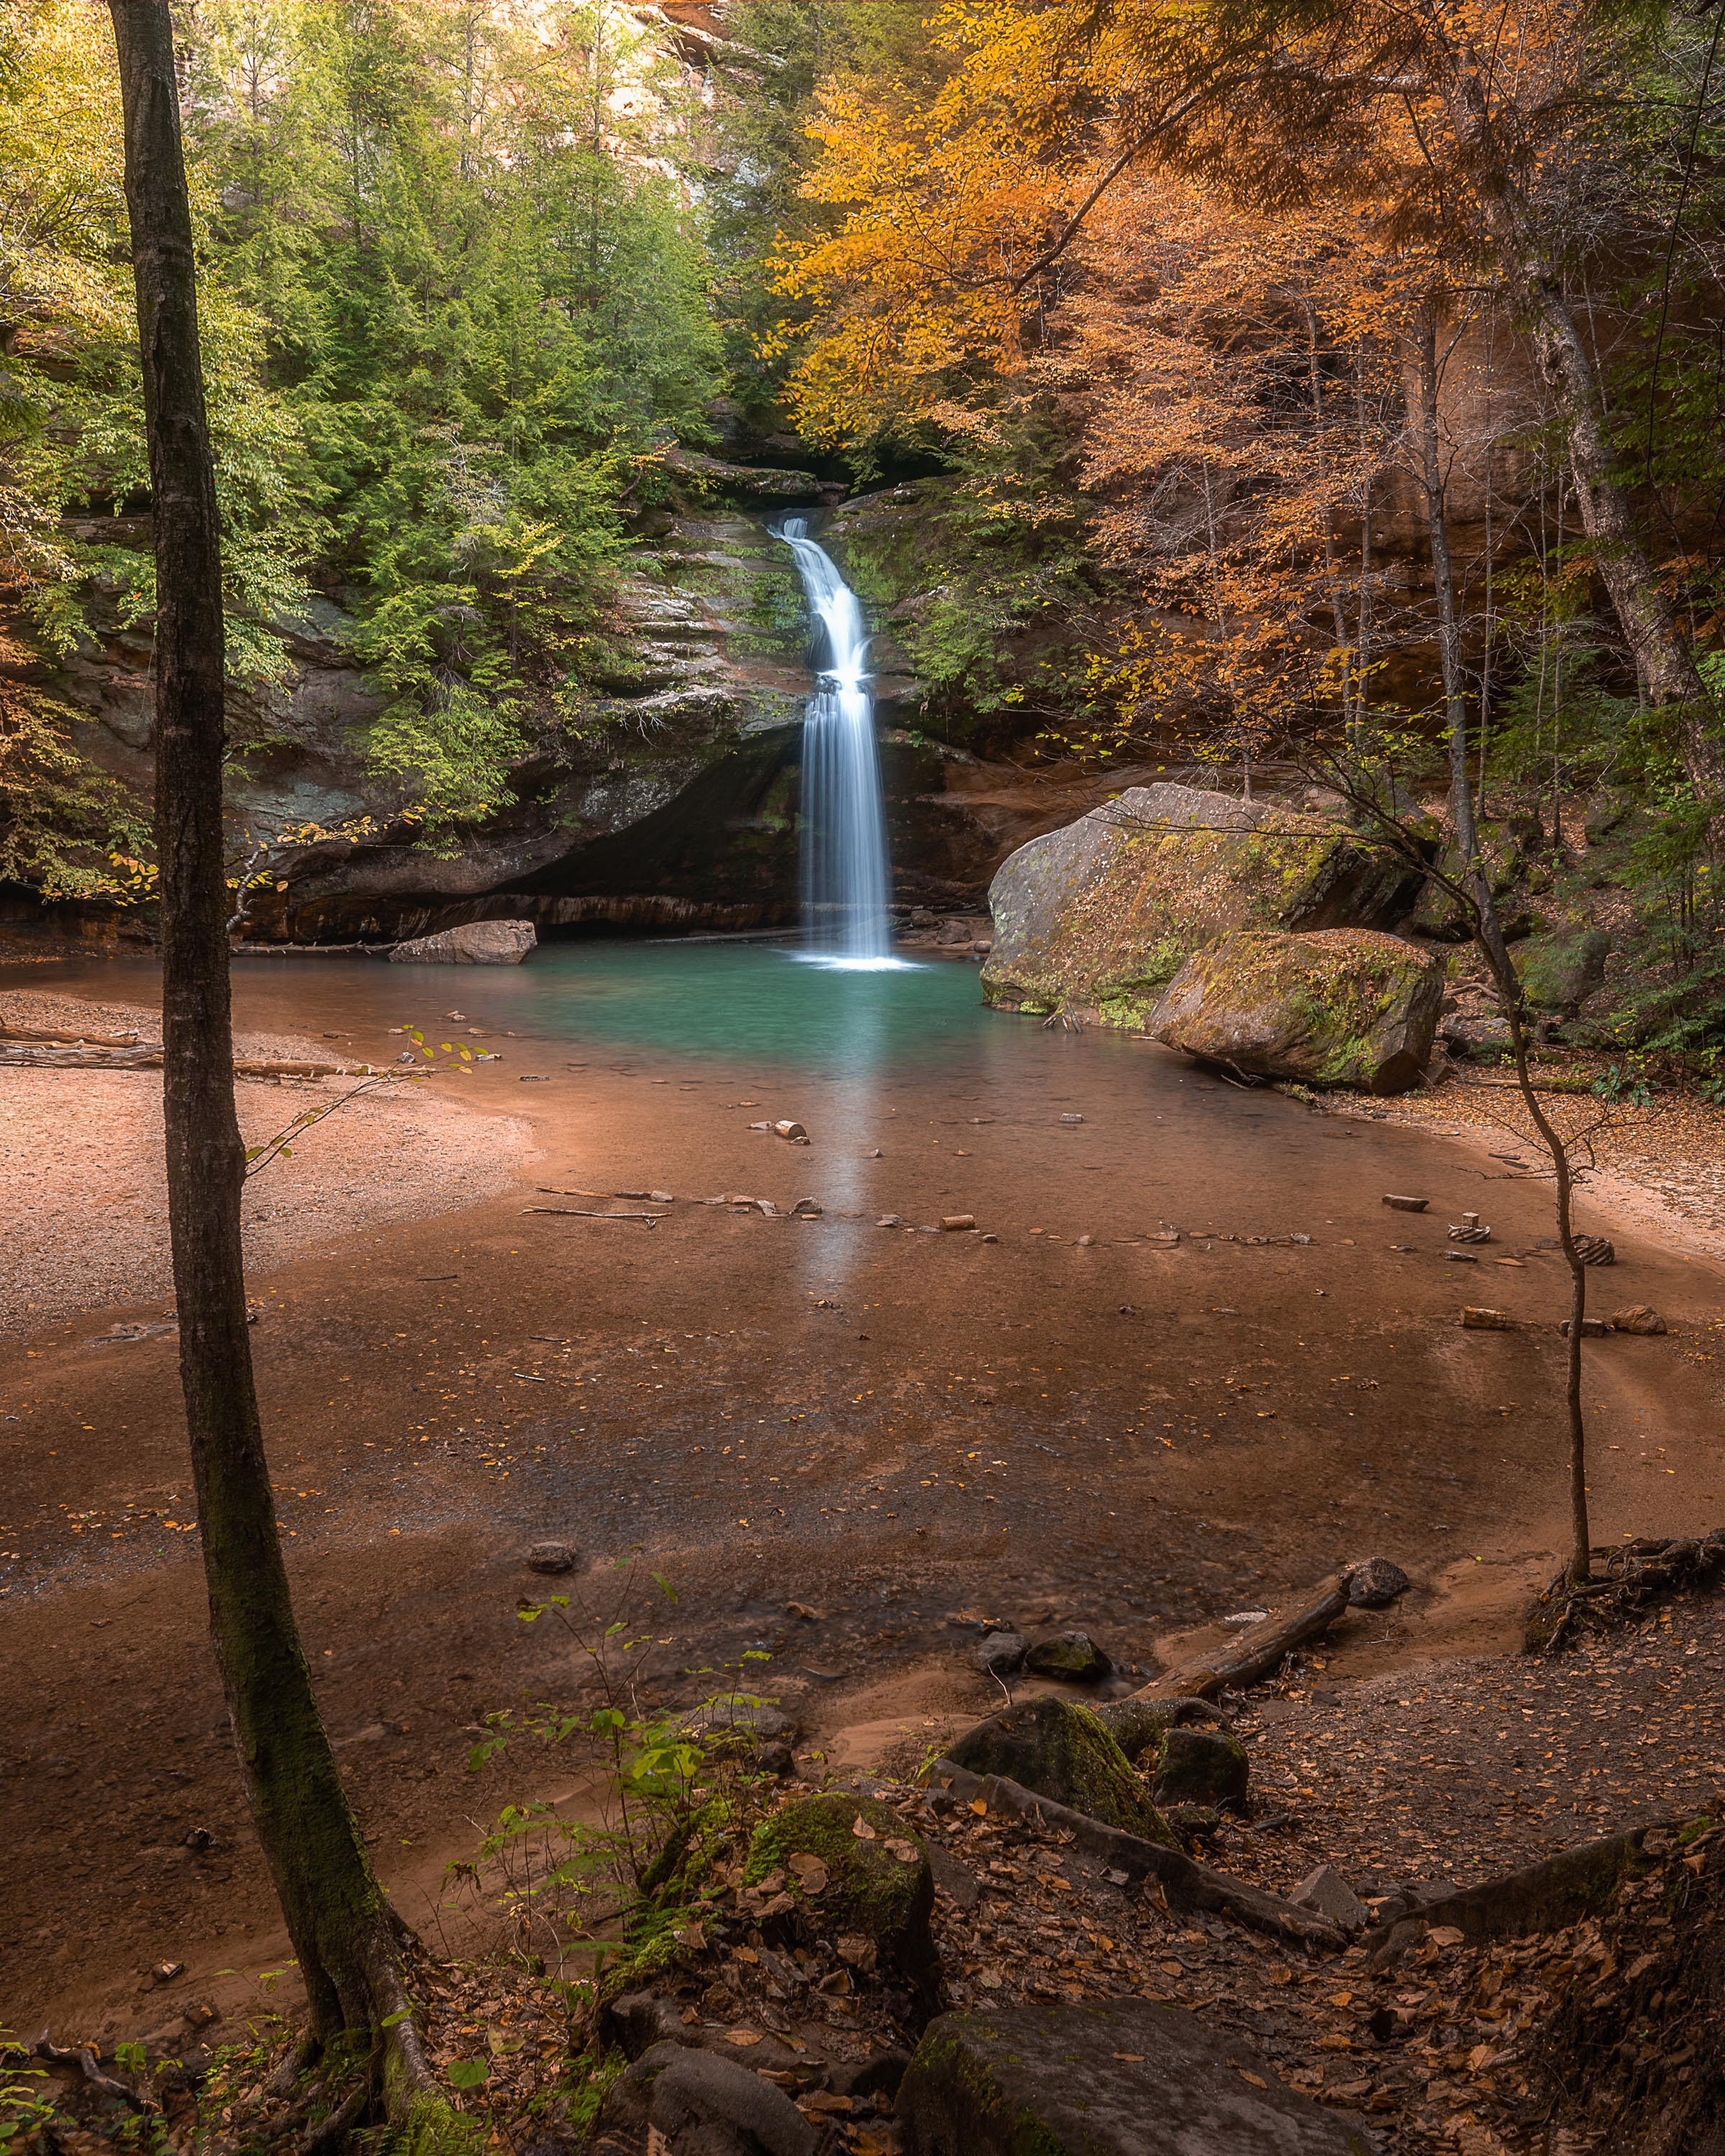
576	1213
1254	1655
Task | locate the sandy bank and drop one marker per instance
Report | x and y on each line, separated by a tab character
83	1205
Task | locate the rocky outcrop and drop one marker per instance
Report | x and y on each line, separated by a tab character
1343	1007
1063	1752
1099	916
856	1863
477	943
1106	2077
1561	967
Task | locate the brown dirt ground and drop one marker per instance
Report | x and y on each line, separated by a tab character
896	1431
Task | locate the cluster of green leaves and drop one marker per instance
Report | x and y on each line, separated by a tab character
487	312
615	1896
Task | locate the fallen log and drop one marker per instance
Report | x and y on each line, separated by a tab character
1187	1883
1546	1897
1254	1656
65	1039
22	1055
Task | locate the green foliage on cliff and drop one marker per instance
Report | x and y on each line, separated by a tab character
455	307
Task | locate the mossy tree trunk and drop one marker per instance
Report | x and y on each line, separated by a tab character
346	1938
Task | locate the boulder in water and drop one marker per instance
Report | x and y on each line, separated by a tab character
474	943
1101	915
1343	1007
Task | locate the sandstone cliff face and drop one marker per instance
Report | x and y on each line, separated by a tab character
674	802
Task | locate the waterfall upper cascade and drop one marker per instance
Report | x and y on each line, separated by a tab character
844	873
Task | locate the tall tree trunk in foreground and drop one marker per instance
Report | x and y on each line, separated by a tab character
343	1932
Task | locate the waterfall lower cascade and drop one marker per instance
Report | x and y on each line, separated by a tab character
845	876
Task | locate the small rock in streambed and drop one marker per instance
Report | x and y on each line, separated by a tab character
1001	1653
805	1208
890	1221
1072	1657
1327	1893
1374	1583
550	1557
1640	1318
1398	1205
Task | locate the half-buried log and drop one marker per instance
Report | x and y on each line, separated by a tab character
1187	1883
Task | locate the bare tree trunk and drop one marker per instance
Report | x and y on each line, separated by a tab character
345	1936
1665	666
1455	678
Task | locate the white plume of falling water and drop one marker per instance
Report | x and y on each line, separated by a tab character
844	873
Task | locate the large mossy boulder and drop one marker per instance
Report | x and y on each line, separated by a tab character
1563	968
1107	2077
1101	915
1342	1007
1062	1752
870	1879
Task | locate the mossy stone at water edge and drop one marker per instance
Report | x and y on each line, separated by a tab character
1112	2077
1101	915
1347	1007
870	1889
1063	1752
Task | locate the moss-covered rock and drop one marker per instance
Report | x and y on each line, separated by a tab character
1061	1751
1072	1657
872	1878
1562	968
1101	915
1201	1767
1342	1007
1109	2077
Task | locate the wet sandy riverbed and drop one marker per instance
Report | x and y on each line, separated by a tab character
890	1427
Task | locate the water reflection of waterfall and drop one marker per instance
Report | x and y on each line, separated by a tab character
845	876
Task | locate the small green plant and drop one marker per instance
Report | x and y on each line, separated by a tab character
1622	1085
596	1901
25	2105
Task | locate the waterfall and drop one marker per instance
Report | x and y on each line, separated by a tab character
844	876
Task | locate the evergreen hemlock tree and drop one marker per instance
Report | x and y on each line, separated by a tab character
347	1939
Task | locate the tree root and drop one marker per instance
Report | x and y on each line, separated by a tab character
1633	1575
84	2059
328	2133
